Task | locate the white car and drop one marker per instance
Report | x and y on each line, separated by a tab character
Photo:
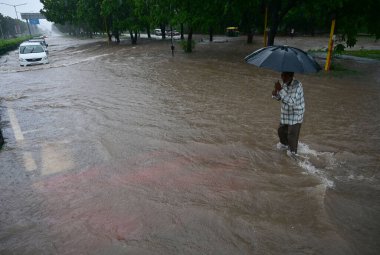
32	53
40	40
174	32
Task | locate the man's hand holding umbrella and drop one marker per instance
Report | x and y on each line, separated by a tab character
277	88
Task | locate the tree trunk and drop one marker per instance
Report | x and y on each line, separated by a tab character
312	30
1	136
250	36
211	34
163	32
277	13
133	37
135	41
182	36
1	139
275	22
117	36
189	41
148	31
109	36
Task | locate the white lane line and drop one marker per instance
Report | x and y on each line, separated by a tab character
29	162
15	126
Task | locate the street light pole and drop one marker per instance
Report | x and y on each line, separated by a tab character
14	6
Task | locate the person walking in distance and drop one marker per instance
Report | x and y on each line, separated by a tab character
290	93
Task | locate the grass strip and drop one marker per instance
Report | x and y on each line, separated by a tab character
372	54
11	44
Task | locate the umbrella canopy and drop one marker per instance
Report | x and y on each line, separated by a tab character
283	59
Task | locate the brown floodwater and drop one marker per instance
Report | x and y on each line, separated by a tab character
121	149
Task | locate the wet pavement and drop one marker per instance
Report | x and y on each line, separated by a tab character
121	149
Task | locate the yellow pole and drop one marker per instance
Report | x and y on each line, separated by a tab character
265	27
331	43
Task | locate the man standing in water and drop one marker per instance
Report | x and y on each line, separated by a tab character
290	93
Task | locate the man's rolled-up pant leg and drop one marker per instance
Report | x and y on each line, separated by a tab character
283	134
293	135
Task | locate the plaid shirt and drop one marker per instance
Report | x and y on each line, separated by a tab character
292	103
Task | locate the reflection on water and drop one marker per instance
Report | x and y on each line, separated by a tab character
126	149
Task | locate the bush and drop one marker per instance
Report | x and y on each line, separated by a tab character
11	44
339	49
184	43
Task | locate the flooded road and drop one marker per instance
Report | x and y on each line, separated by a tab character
121	149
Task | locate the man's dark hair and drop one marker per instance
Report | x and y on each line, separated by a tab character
289	73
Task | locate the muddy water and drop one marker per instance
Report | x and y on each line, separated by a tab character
128	150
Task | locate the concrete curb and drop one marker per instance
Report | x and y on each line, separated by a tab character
322	55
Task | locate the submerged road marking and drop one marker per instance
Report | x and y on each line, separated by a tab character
55	159
15	126
29	162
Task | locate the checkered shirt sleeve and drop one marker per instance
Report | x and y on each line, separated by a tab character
292	103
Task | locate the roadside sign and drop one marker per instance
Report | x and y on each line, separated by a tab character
34	21
32	16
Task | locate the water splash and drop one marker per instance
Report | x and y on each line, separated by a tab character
311	169
13	97
326	159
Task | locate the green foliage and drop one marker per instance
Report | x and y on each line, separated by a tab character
184	45
340	70
308	18
87	13
353	17
305	16
11	44
372	19
60	12
372	54
8	24
339	49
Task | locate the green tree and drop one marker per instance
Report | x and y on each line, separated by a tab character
212	16
88	14
307	19
116	16
245	14
143	9
353	17
111	11
162	11
278	9
61	12
191	12
8	27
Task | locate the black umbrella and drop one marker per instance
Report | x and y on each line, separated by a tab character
283	59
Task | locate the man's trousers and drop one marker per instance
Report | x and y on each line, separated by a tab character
289	134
